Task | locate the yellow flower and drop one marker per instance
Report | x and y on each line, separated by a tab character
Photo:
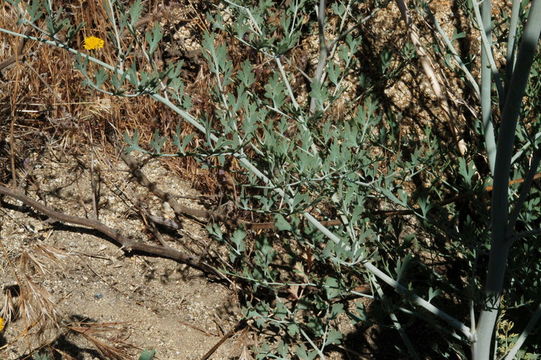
93	42
1	324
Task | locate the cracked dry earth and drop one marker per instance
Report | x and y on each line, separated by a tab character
56	276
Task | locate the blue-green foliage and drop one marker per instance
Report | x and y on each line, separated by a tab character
147	355
398	191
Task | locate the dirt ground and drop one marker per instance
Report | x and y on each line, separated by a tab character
152	303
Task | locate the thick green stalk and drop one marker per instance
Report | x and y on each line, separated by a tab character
486	85
510	56
501	236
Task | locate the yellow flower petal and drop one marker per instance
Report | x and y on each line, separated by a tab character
1	324
93	42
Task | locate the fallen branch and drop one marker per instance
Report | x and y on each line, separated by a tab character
128	245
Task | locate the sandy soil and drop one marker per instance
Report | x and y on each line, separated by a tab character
152	303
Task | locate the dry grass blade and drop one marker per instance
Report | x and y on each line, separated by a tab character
36	306
30	261
9	305
64	354
51	252
93	333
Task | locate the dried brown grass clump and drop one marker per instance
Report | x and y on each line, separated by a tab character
26	301
107	338
45	104
31	312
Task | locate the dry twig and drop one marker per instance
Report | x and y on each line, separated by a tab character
127	245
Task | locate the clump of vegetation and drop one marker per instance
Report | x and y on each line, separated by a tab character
344	206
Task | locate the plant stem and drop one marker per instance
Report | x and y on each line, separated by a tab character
501	241
486	85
